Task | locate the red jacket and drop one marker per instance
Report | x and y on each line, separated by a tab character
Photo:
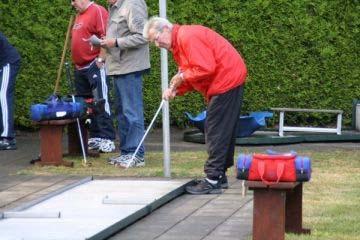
210	64
92	21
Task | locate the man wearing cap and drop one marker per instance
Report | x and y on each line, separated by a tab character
90	77
209	64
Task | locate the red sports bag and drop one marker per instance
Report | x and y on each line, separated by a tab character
271	169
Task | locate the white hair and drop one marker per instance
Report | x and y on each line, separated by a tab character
156	23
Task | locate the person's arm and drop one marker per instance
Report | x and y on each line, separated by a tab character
102	18
136	18
201	61
100	60
2	39
170	93
200	65
178	86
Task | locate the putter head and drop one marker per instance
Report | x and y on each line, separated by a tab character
86	164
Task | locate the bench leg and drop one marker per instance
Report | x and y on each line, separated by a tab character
269	214
74	144
51	144
293	223
338	124
281	124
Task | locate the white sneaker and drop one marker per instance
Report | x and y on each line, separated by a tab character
129	162
94	143
116	159
106	146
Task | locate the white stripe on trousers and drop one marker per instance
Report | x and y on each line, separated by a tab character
105	90
3	100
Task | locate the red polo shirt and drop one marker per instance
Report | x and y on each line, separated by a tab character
210	64
92	21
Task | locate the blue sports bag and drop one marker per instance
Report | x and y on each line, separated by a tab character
55	108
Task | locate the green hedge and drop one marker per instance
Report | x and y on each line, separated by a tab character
299	53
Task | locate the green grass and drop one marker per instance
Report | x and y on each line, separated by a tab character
183	165
331	200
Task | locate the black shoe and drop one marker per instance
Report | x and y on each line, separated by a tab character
204	187
224	182
6	144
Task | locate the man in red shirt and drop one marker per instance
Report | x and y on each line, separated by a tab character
90	77
209	64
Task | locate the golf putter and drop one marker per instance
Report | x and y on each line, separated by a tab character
71	84
146	133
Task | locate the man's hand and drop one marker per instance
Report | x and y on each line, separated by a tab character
108	43
169	94
100	64
176	81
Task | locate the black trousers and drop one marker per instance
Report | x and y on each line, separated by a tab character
92	82
8	74
220	131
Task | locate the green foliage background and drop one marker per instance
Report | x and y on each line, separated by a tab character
299	53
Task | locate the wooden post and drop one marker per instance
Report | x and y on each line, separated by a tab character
51	150
277	209
74	144
293	211
269	214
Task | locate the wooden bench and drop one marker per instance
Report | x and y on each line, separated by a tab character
283	128
277	209
51	133
51	144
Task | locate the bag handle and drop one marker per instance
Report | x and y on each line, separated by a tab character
54	100
263	157
273	152
279	172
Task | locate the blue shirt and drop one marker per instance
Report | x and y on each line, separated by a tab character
8	54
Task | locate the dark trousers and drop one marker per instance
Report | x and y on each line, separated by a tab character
92	81
8	74
220	131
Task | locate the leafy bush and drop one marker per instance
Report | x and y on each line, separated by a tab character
299	53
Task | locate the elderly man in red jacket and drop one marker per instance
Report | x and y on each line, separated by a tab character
209	64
